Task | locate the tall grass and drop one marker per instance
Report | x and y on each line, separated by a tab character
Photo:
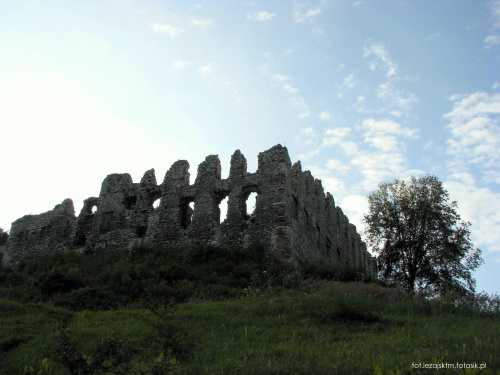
208	310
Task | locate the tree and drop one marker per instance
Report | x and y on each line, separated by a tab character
419	237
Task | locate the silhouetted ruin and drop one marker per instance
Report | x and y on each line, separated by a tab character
293	217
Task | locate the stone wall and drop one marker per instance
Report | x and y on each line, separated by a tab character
293	216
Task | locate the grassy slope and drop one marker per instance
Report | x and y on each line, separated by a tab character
277	324
282	332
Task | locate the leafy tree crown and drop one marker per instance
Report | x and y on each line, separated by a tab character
419	237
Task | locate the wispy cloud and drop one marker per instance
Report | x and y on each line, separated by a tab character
386	135
170	30
495	11
480	206
337	165
475	130
206	69
325	115
349	81
300	103
290	89
180	64
491	40
336	136
308	155
260	16
280	77
399	101
302	14
295	100
201	22
381	59
307	137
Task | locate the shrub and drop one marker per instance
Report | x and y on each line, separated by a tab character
110	356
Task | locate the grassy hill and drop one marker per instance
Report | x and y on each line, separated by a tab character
210	310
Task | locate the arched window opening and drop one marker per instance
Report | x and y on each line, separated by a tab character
156	203
93	209
187	210
251	203
223	209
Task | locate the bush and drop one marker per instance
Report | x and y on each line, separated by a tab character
57	282
327	271
110	356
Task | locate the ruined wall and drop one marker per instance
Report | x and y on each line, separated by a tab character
36	235
293	216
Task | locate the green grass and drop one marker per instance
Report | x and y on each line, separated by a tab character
287	332
259	317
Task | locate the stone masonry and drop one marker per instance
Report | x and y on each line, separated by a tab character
293	216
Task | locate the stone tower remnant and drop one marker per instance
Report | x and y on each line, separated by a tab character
293	216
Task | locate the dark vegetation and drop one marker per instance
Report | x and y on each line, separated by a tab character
421	242
206	309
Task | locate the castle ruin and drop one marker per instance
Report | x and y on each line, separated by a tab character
293	216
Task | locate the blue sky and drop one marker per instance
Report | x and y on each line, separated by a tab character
360	91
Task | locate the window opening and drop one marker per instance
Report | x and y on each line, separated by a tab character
251	203
141	231
130	202
93	209
187	210
223	209
156	203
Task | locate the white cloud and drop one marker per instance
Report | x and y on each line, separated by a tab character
307	137
308	155
170	30
290	89
335	137
495	8
379	166
399	101
349	147
381	58
349	81
330	184
491	40
373	127
206	69
280	77
325	116
201	22
180	64
475	130
307	131
337	165
303	16
333	185
295	100
300	103
260	16
480	206
355	207
339	132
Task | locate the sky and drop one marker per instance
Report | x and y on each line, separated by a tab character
360	92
